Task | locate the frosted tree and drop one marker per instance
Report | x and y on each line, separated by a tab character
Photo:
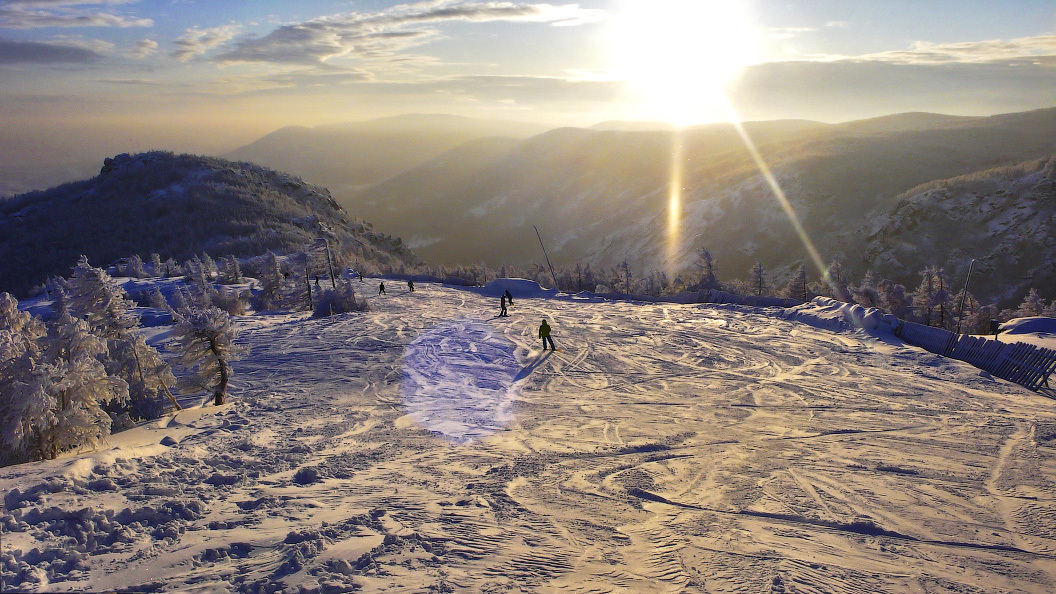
943	298
206	337
866	293
271	280
893	298
103	304
625	273
209	266
156	267
99	300
797	285
707	271
757	279
929	295
1032	305
835	280
133	267
230	271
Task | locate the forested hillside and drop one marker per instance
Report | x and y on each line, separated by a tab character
177	206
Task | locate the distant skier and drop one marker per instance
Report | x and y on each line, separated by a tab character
381	289
509	297
544	333
410	285
502	307
360	277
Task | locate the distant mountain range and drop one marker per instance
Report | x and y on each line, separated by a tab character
891	194
601	195
350	157
177	206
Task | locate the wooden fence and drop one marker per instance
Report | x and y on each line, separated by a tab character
1024	364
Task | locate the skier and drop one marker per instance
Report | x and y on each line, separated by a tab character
410	285
509	297
360	277
502	307
544	333
381	289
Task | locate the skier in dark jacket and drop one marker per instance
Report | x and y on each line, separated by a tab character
509	297
544	333
381	289
410	285
502	307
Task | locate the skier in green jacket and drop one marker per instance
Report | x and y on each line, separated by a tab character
544	333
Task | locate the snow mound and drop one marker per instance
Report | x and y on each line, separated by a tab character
1039	325
830	314
518	287
1038	331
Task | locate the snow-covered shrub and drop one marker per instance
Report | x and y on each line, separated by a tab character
230	271
231	300
331	301
272	284
206	337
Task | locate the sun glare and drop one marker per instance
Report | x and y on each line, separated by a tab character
677	55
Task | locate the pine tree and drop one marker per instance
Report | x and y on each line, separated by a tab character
797	285
866	293
835	280
272	281
156	267
923	298
103	304
206	337
706	264
893	298
942	299
1032	305
757	279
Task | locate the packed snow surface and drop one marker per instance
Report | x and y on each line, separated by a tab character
429	445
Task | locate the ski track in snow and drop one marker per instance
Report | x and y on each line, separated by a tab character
429	446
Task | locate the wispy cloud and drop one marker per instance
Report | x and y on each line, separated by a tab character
383	35
144	48
195	42
788	32
969	52
37	52
31	14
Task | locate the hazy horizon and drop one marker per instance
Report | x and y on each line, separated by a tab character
84	79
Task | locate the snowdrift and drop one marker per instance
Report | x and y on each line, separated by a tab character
830	314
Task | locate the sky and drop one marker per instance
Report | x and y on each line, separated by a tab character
187	75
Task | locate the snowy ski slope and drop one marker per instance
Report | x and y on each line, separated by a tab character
431	446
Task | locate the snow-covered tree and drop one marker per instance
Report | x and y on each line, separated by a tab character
706	264
206	337
866	293
272	281
156	267
133	267
757	280
835	281
924	296
797	285
103	304
99	300
893	298
230	271
1032	305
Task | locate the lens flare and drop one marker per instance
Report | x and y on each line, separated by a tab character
775	187
674	204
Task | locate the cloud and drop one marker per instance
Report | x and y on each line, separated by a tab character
31	14
787	32
382	35
144	48
38	52
195	42
1021	49
971	51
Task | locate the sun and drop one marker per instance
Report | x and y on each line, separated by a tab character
677	55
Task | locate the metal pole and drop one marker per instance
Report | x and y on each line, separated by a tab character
546	256
330	263
964	294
